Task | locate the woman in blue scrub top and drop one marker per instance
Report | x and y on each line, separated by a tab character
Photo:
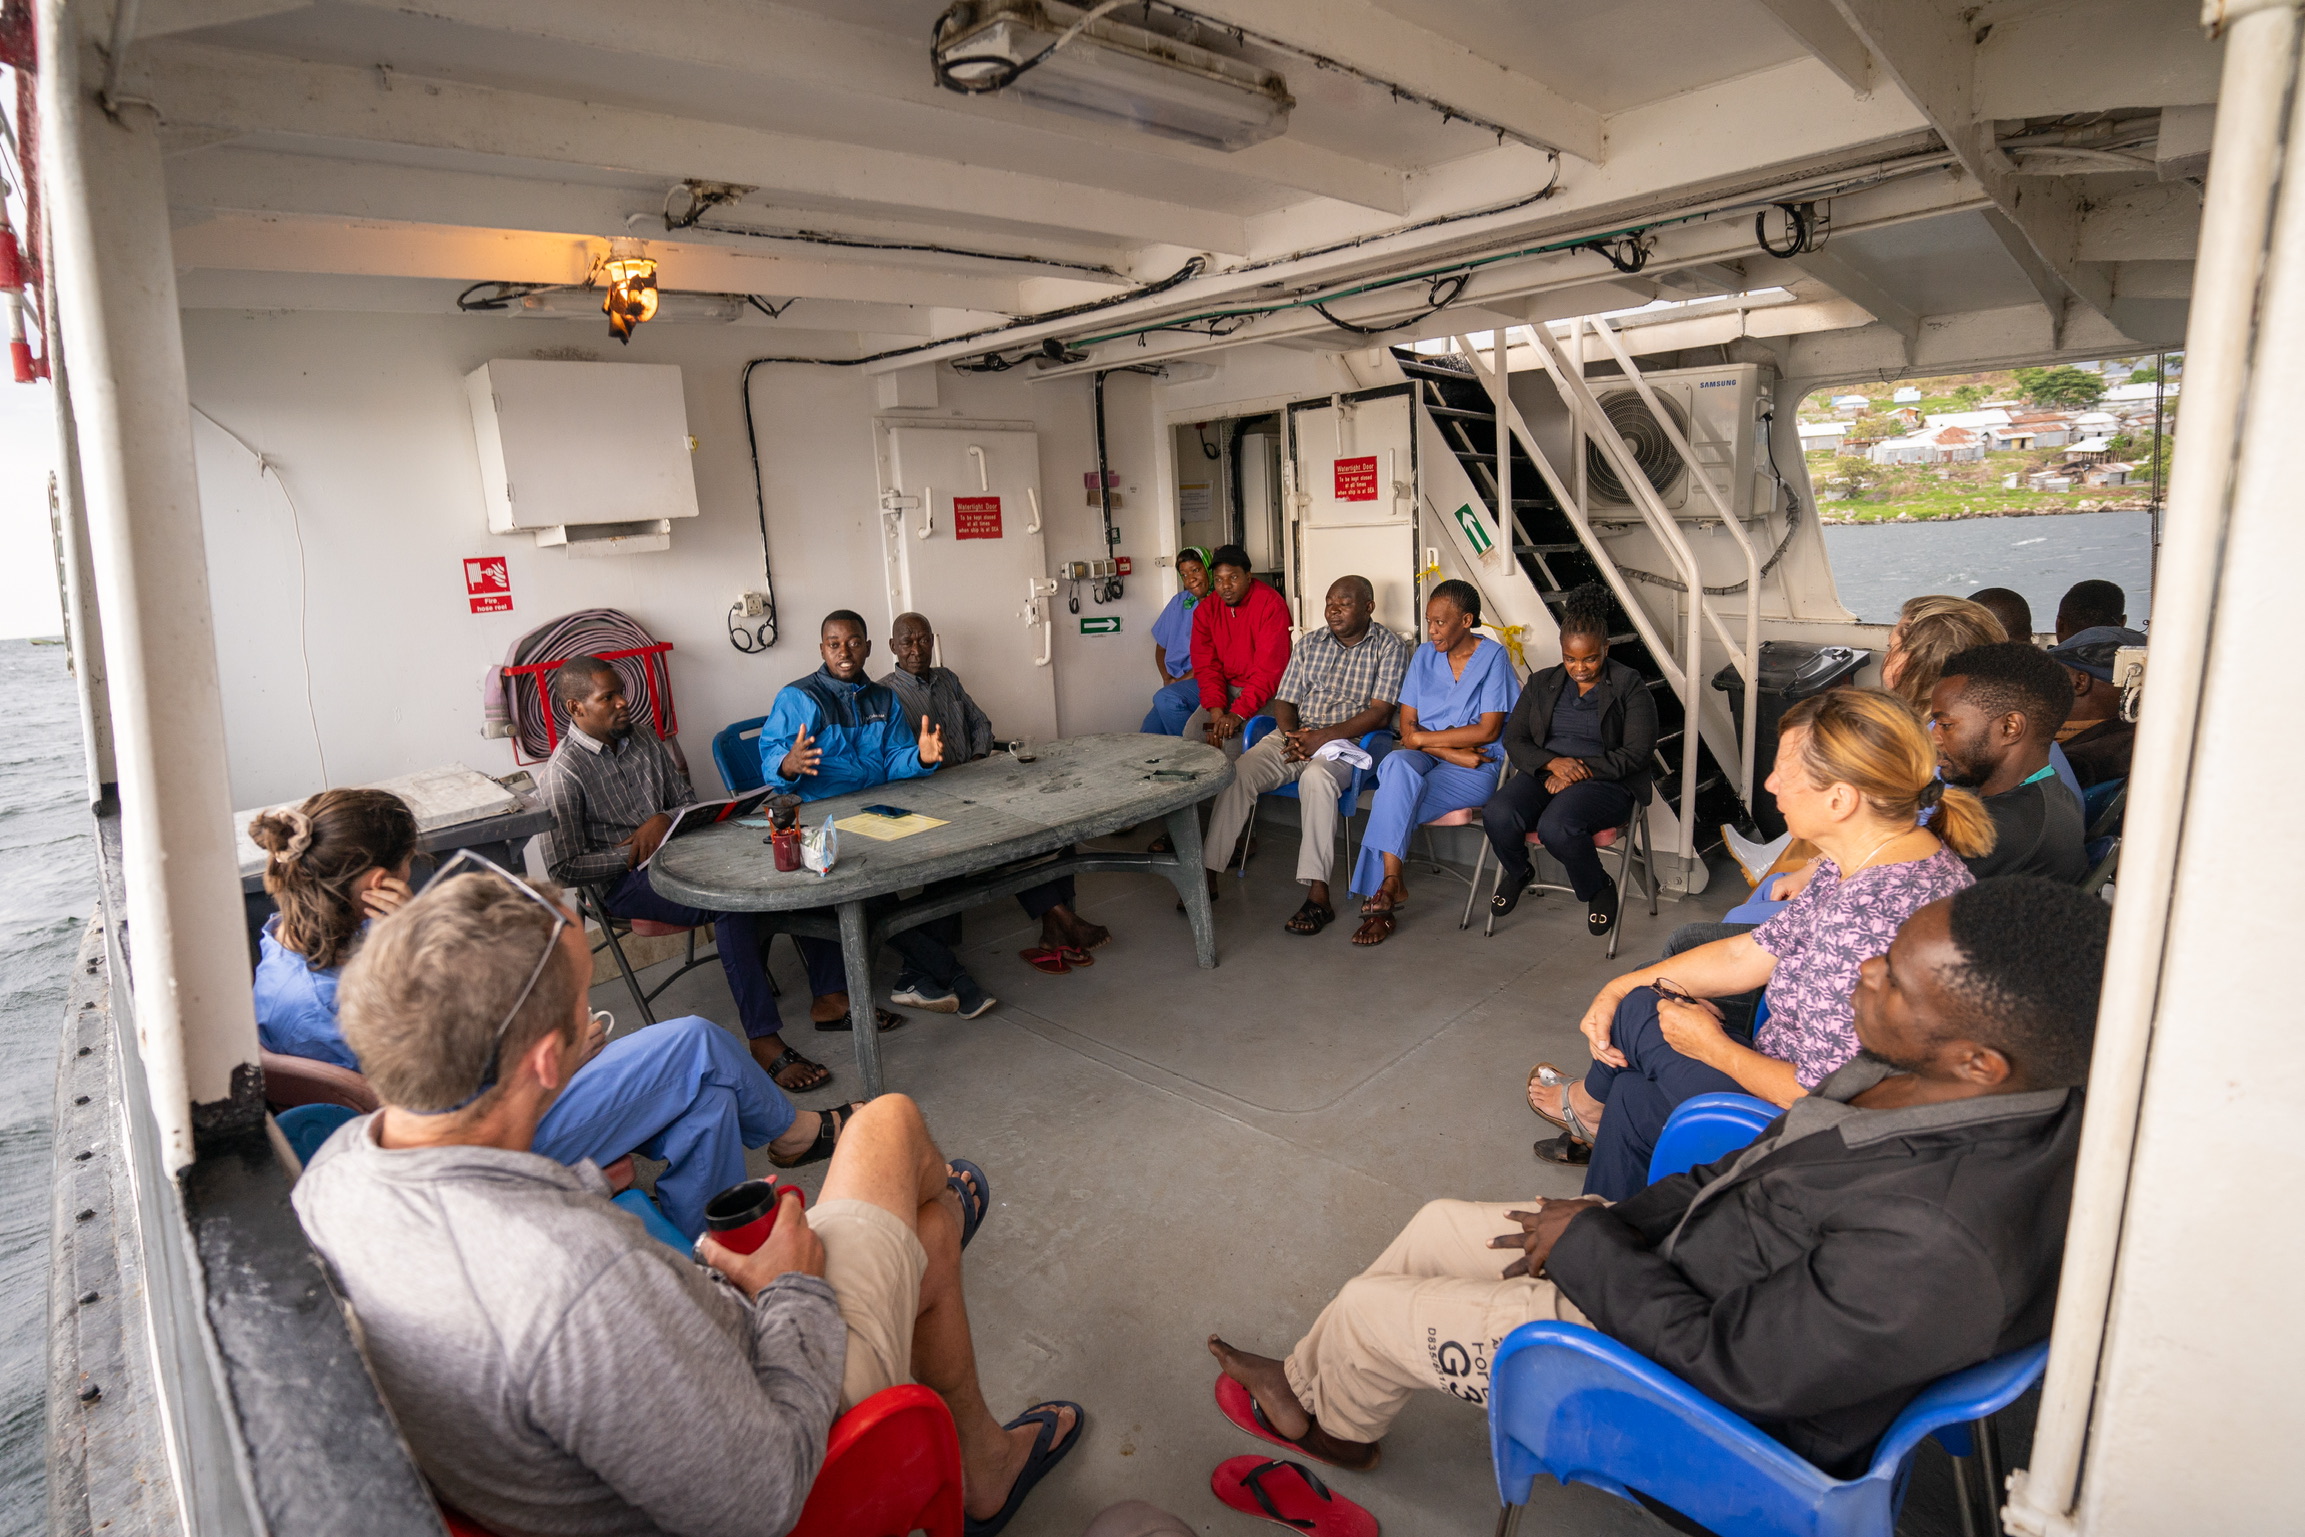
1453	707
1179	694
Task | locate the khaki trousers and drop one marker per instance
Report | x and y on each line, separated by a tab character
1265	767
1429	1313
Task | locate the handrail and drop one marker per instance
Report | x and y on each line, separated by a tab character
1752	652
1581	400
1576	515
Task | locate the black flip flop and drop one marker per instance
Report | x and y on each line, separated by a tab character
885	1019
787	1058
1046	1454
972	1207
1564	1149
1312	912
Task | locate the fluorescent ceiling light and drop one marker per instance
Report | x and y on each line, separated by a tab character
1117	73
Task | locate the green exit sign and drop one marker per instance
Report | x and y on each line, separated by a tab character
1106	624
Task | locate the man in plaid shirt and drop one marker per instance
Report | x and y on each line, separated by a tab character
1341	684
612	789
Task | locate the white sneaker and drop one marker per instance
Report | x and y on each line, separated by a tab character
1752	858
920	997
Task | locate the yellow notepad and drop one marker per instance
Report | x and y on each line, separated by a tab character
883	829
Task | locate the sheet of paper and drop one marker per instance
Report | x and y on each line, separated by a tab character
886	829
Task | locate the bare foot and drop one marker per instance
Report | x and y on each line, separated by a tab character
827	1007
800	1136
1084	935
1268	1383
1547	1102
984	1501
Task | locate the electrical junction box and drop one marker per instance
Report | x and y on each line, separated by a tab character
593	457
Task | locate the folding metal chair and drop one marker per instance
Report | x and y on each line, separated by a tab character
1631	841
592	905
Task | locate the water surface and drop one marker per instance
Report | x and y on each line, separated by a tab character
1880	565
47	890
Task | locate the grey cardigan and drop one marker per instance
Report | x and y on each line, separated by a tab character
1628	725
554	1368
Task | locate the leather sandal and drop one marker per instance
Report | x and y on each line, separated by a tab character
1564	1150
790	1058
828	1125
1310	918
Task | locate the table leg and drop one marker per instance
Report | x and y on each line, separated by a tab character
863	1010
1184	825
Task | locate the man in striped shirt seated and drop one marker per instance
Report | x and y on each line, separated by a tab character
1342	683
612	787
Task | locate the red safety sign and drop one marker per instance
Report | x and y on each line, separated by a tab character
1357	479
976	517
488	584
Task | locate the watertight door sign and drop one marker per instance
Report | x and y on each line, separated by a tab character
488	584
1357	479
976	517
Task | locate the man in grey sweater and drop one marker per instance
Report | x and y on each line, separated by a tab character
557	1371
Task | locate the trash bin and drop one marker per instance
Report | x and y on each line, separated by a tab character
1791	670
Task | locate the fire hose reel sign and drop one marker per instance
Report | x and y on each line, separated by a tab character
488	584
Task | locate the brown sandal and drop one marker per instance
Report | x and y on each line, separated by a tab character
790	1058
1376	927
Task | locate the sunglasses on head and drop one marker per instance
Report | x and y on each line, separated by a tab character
478	864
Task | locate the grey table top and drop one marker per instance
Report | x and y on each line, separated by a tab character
995	810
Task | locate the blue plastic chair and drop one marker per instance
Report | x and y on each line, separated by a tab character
1574	1403
1705	1128
736	753
660	1228
1376	744
307	1126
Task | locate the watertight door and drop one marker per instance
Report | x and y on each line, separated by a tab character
1355	506
962	545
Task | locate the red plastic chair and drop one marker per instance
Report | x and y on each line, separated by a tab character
892	1467
292	1081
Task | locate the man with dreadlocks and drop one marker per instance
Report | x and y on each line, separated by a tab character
1580	741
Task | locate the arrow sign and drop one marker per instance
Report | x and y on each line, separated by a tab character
1475	529
1108	624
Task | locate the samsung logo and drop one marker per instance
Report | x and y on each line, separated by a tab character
1715	384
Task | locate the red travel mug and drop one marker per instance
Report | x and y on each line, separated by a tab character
742	1216
786	841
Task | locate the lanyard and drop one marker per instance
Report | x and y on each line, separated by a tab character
2046	771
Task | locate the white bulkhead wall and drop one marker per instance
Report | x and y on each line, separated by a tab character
364	421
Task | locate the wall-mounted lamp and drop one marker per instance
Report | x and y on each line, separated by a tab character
631	297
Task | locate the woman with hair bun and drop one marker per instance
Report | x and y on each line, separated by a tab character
683	1090
1854	773
1580	741
1453	703
1930	631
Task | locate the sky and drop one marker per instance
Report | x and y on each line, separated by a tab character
28	603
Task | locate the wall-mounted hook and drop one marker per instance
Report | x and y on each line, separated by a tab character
983	477
927	512
1033	496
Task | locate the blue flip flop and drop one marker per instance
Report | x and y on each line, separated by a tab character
972	1207
1047	1452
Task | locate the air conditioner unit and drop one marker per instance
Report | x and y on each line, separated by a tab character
1114	72
1718	410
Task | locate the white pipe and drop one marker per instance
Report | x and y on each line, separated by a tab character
1662	653
1751	650
2246	164
1507	526
116	297
1580	398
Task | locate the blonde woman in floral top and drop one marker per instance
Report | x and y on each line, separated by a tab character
1854	772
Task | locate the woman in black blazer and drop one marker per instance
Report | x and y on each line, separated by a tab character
1580	741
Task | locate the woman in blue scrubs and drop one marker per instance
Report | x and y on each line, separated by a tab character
1179	694
1453	707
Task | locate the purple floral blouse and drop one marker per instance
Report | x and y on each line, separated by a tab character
1822	939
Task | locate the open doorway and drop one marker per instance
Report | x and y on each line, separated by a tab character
1229	487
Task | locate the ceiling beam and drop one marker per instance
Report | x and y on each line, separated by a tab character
1927	48
1858	286
1357	33
256	94
875	68
1816	26
162	18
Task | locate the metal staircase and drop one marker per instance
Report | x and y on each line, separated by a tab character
1555	557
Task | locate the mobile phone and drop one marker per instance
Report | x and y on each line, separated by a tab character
886	811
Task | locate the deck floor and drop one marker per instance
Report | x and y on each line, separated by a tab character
1175	1151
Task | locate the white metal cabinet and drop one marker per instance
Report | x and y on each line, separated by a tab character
580	443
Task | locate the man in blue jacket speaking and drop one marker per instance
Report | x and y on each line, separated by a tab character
836	731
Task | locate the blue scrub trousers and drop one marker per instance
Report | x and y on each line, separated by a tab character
1413	788
684	1091
742	939
1639	1099
1172	707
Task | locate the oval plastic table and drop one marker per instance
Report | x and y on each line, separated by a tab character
996	812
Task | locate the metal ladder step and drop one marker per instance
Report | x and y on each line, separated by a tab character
1544	549
1459	411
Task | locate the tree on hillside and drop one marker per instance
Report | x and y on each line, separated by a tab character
1968	395
2061	386
2146	375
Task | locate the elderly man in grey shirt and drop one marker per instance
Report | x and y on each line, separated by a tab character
937	695
1342	682
557	1371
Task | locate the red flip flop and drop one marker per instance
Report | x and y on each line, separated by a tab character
1288	1494
1075	956
1042	958
1235	1403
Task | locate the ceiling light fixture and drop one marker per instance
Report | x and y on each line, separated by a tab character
631	297
1070	60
